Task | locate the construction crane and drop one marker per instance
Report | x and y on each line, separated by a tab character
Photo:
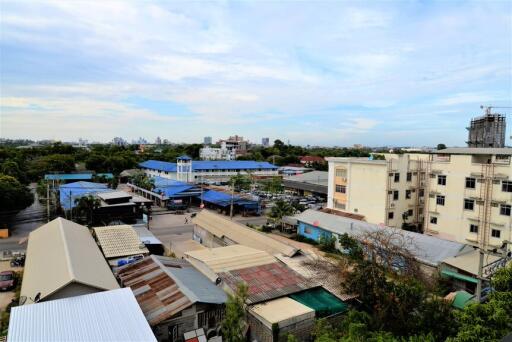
488	109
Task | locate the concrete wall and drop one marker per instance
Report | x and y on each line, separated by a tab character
188	320
72	290
370	185
453	221
261	333
312	232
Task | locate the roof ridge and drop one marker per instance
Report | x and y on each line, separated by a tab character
66	249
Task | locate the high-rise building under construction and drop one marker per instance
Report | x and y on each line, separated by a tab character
487	130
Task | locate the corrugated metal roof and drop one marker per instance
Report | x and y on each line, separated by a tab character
425	248
267	282
313	177
72	191
468	262
221	226
223	259
171	187
210	165
114	194
119	241
105	316
162	292
63	252
475	150
76	176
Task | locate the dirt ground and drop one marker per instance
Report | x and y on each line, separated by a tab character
7	296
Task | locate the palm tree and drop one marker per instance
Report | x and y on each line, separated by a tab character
85	206
280	210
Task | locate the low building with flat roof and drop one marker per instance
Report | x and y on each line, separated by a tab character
105	316
276	319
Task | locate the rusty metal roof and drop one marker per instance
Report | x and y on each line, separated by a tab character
164	286
267	282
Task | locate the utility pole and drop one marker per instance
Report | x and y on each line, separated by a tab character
502	253
232	194
480	271
48	201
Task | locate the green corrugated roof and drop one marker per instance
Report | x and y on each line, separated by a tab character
459	276
462	298
323	302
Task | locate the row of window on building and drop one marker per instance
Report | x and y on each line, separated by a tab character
408	176
473	228
469	204
470	183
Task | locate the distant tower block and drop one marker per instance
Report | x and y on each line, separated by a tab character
184	169
487	131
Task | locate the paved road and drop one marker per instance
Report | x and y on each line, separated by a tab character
24	222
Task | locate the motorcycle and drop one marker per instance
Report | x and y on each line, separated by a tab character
18	261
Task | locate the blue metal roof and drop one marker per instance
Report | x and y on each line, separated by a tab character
71	191
210	165
218	198
170	187
75	176
184	157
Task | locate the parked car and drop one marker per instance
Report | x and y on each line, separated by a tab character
7	280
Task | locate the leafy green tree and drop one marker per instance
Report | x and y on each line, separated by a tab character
14	196
235	322
279	210
51	163
273	185
441	146
490	321
11	168
240	182
143	181
85	206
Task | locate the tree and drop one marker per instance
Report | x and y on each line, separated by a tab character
273	185
85	207
143	181
441	146
240	182
235	323
14	196
280	210
492	320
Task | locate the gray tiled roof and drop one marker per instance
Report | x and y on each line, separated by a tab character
427	249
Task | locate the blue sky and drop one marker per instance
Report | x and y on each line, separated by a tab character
319	73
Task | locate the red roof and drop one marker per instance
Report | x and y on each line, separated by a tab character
267	282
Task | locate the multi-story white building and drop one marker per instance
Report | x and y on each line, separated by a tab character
470	195
187	170
216	153
235	144
389	192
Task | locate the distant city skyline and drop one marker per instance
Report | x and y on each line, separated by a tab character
331	74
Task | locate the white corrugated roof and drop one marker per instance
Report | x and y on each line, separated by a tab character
147	236
62	252
119	241
224	259
221	226
104	316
